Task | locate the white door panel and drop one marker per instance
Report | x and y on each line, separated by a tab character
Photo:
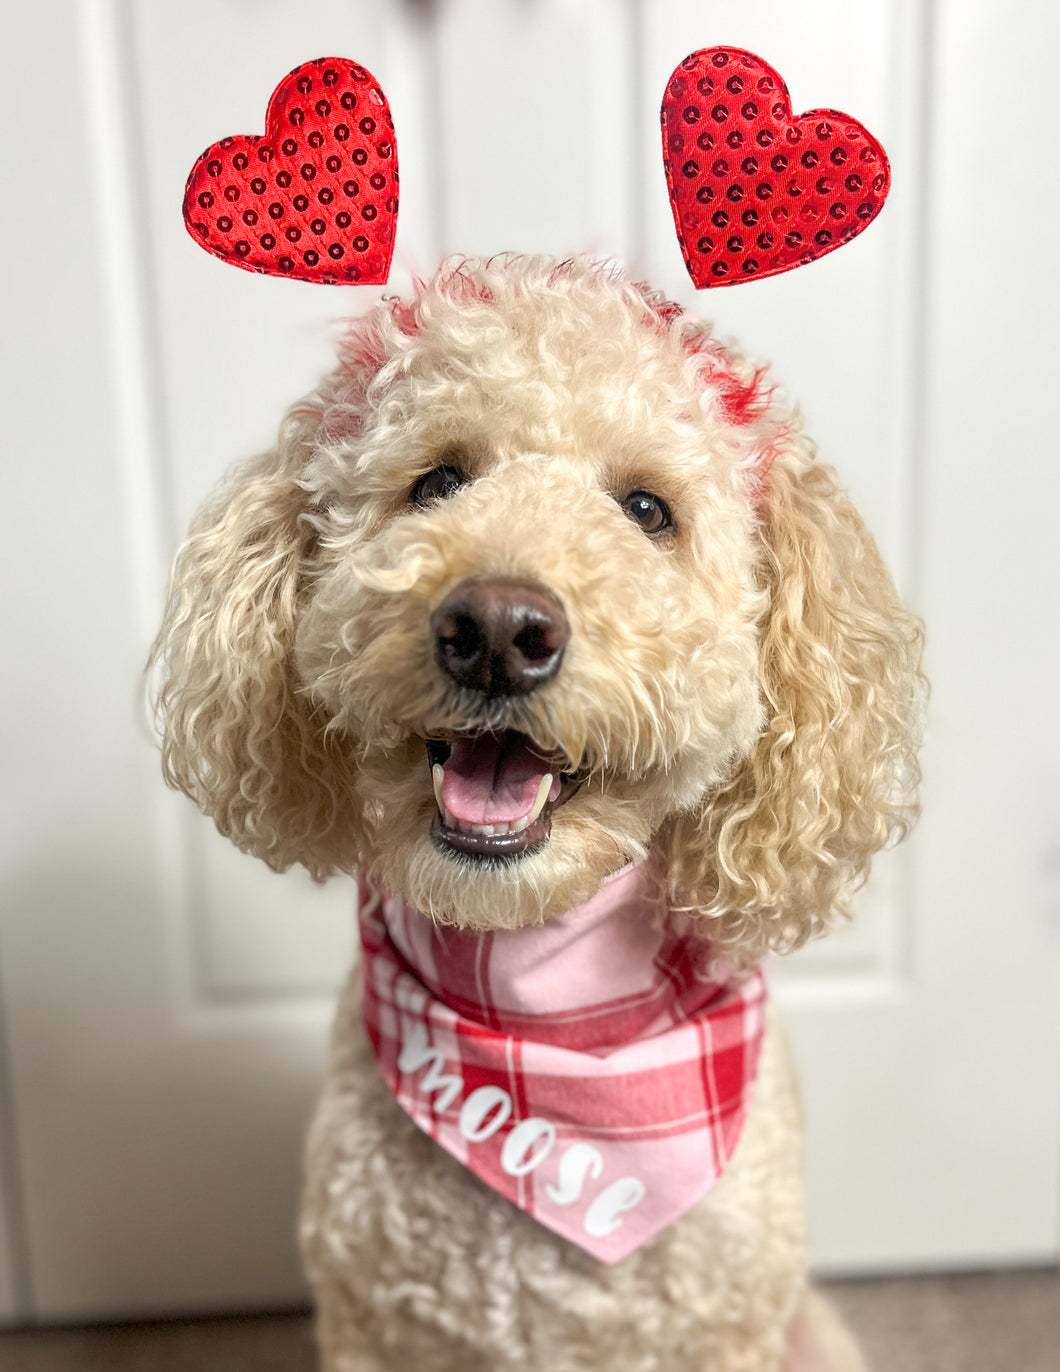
166	998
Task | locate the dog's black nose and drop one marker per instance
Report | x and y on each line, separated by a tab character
503	638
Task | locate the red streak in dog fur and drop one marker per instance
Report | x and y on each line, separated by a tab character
741	402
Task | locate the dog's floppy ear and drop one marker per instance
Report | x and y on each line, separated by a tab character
238	737
772	855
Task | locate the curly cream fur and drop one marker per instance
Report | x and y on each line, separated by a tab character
238	736
832	779
743	695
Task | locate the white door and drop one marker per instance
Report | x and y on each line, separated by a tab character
166	1000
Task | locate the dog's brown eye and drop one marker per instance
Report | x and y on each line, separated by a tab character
647	510
438	484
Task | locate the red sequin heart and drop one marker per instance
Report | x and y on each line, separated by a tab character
754	190
316	196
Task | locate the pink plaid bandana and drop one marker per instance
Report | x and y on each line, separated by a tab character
589	1069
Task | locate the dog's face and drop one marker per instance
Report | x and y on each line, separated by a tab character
540	580
533	600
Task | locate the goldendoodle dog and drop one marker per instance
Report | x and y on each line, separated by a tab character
543	616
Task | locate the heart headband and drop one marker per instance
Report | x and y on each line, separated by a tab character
314	197
755	190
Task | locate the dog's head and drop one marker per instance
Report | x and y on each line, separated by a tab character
541	580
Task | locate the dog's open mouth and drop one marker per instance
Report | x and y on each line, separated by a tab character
496	793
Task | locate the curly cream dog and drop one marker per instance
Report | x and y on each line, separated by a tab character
719	676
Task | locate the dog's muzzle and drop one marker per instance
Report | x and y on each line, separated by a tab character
496	791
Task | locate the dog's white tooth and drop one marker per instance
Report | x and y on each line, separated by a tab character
488	829
518	825
542	796
437	773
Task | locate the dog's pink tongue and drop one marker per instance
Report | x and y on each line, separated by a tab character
491	779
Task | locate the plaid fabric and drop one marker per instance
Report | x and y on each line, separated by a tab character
591	1069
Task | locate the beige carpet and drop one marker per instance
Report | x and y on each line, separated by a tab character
1003	1322
986	1322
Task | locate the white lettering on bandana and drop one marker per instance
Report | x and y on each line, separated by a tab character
589	1069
